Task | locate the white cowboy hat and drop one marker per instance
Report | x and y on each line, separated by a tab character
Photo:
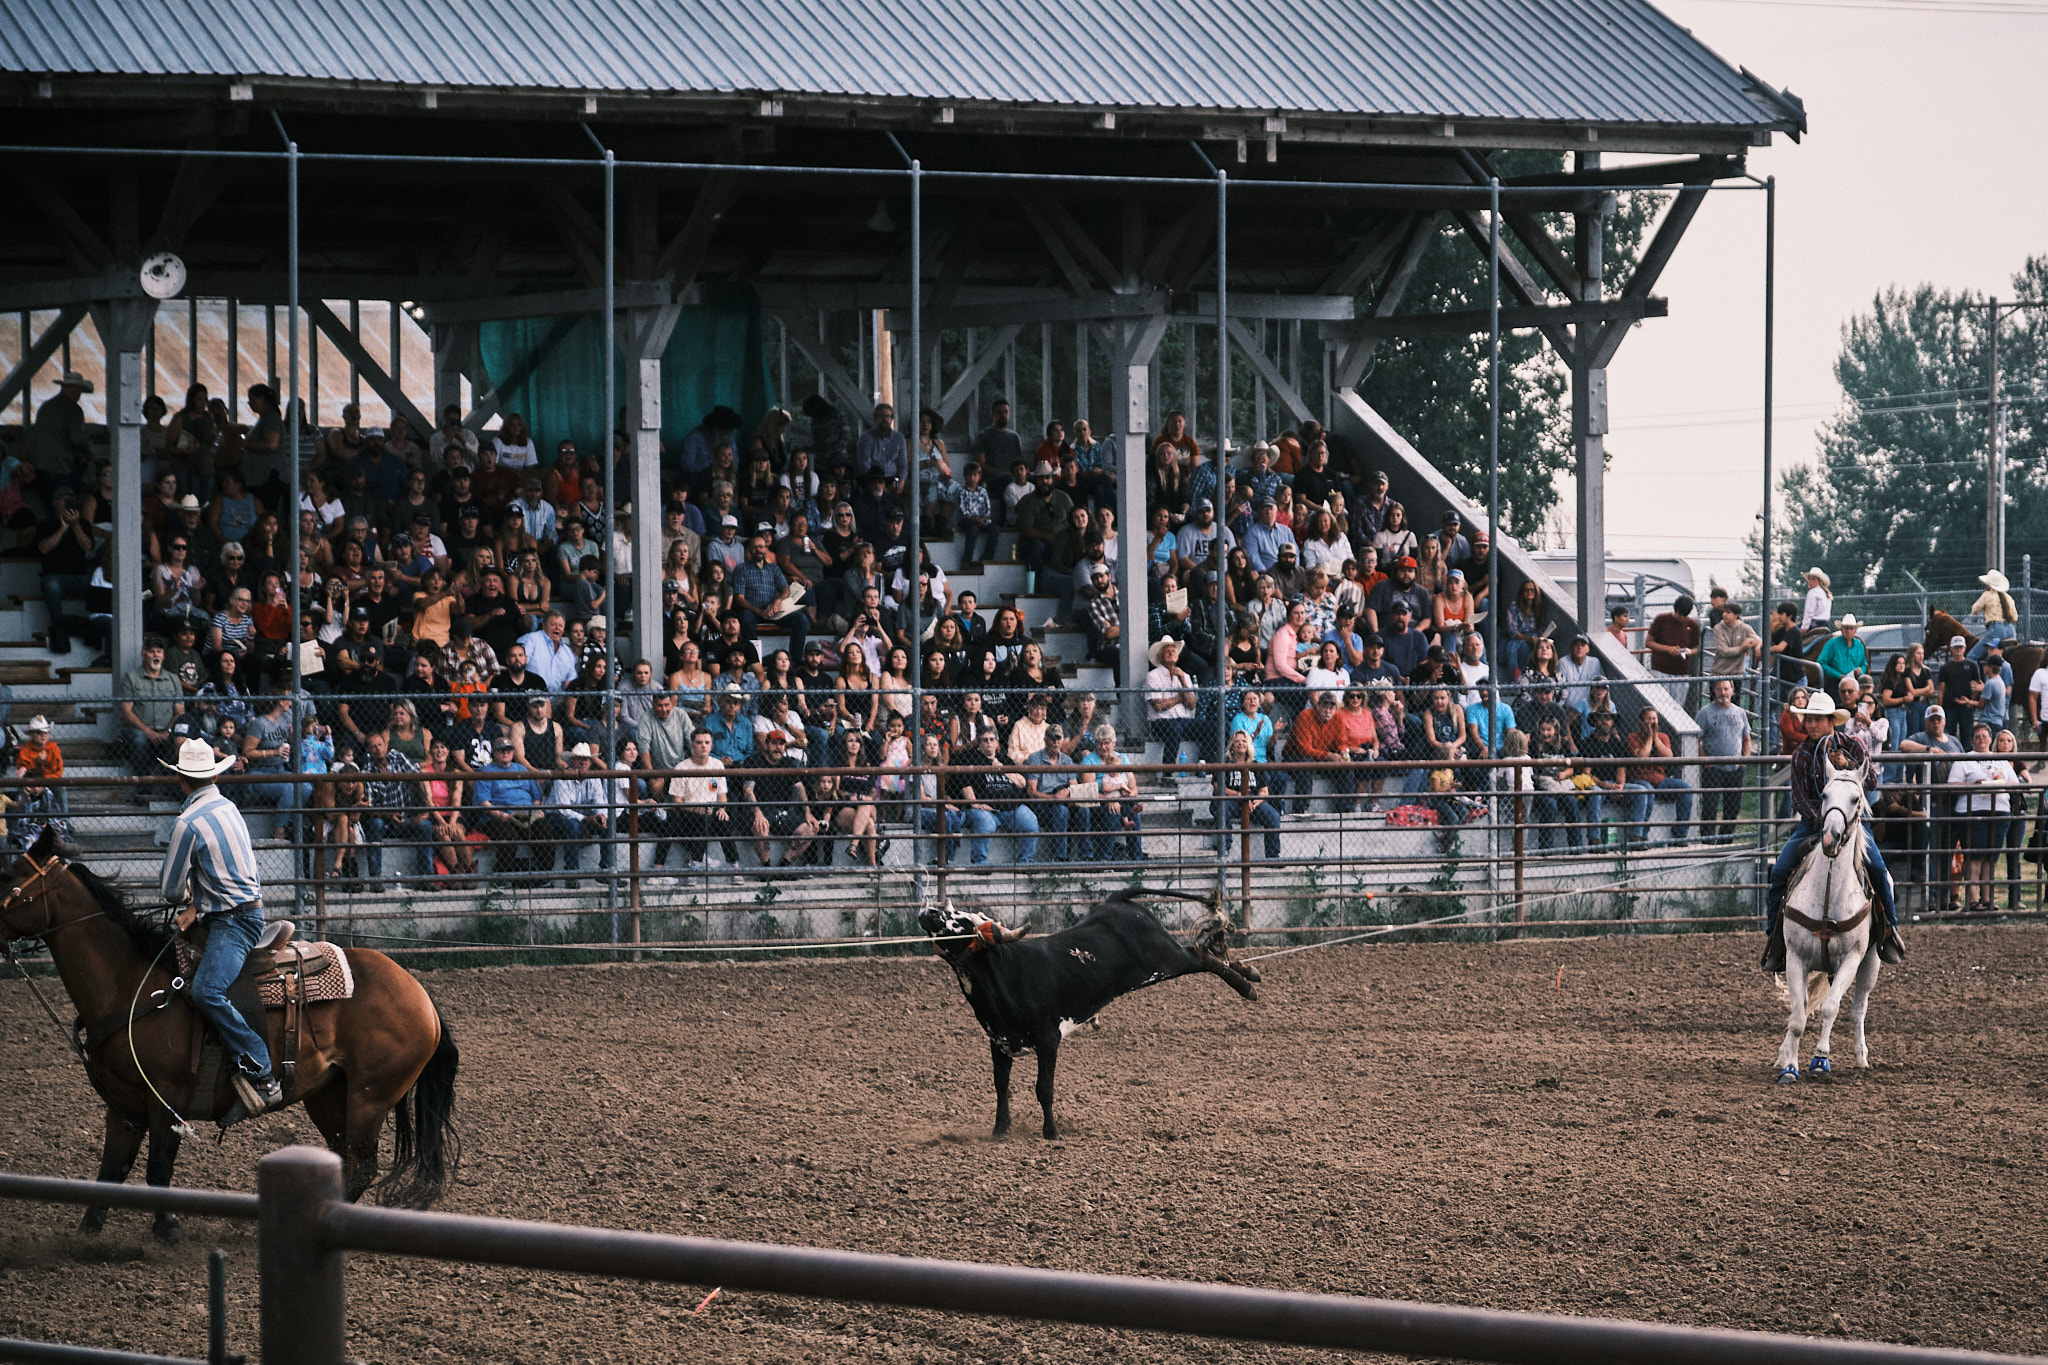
1995	581
582	751
1157	653
39	725
1821	574
1849	622
1817	704
189	503
196	761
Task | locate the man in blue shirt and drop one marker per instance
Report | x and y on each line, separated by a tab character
882	450
210	871
1488	721
760	589
510	811
1264	537
732	730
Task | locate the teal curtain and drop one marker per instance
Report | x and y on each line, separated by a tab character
715	355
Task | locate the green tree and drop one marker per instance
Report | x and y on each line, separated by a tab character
1434	390
1898	490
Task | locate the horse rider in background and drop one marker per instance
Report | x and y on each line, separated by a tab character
1809	778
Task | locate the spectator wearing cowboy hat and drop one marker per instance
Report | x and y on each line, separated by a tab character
1040	517
1171	701
581	805
57	446
1995	604
1843	656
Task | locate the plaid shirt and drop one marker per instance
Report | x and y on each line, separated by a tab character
1103	612
389	795
1098	457
1202	484
974	503
476	652
760	584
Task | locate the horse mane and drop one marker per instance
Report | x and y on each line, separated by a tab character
149	939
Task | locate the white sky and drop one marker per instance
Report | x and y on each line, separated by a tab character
1922	163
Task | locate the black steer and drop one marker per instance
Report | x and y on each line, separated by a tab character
1028	994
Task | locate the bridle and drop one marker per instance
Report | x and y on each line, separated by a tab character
49	868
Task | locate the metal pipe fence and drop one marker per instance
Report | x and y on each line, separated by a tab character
305	1231
437	862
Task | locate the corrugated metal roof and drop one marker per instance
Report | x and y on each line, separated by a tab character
1576	61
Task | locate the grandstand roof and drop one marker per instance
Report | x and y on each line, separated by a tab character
1353	69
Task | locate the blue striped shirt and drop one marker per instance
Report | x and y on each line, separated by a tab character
210	857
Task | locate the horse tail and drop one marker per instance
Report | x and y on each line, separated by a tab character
425	1147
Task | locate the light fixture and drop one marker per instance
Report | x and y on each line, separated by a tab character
880	221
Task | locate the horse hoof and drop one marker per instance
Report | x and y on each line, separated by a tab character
94	1222
1820	1066
169	1229
1788	1075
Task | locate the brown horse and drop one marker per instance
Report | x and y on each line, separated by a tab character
358	1059
1941	628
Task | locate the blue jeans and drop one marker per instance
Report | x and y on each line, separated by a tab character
927	820
1520	653
1559	812
980	542
1176	731
399	830
57	587
1788	858
229	939
1645	797
1017	820
283	795
1265	815
1055	819
1996	630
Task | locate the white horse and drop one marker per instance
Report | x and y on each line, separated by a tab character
1828	909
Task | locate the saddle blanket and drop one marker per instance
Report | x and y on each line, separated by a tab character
324	967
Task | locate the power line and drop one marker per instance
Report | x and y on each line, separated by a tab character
1985	7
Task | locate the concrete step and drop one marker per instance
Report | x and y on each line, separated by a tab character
995	580
1094	677
1038	608
1066	644
946	553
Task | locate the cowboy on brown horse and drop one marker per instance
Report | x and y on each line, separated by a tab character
210	872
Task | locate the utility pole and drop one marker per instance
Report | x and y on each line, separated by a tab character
1994	480
1994	473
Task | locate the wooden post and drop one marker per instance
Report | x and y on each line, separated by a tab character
304	1311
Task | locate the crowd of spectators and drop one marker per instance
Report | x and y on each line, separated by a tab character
456	621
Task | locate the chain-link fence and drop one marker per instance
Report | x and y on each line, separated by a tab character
473	824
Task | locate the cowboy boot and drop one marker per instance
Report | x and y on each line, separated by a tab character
1891	948
1774	947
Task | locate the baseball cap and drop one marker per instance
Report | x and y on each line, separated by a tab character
1452	518
1054	733
1936	711
1398	609
1956	642
1405	562
1373	641
1204	503
359	614
814	647
1286	548
728	520
502	743
1264	501
1346	612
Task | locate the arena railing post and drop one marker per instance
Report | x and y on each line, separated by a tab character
303	1295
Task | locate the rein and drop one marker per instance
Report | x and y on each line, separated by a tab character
1824	929
49	868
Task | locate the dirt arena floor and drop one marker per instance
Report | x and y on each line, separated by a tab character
1584	1126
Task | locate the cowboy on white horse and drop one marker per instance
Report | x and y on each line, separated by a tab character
1809	777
